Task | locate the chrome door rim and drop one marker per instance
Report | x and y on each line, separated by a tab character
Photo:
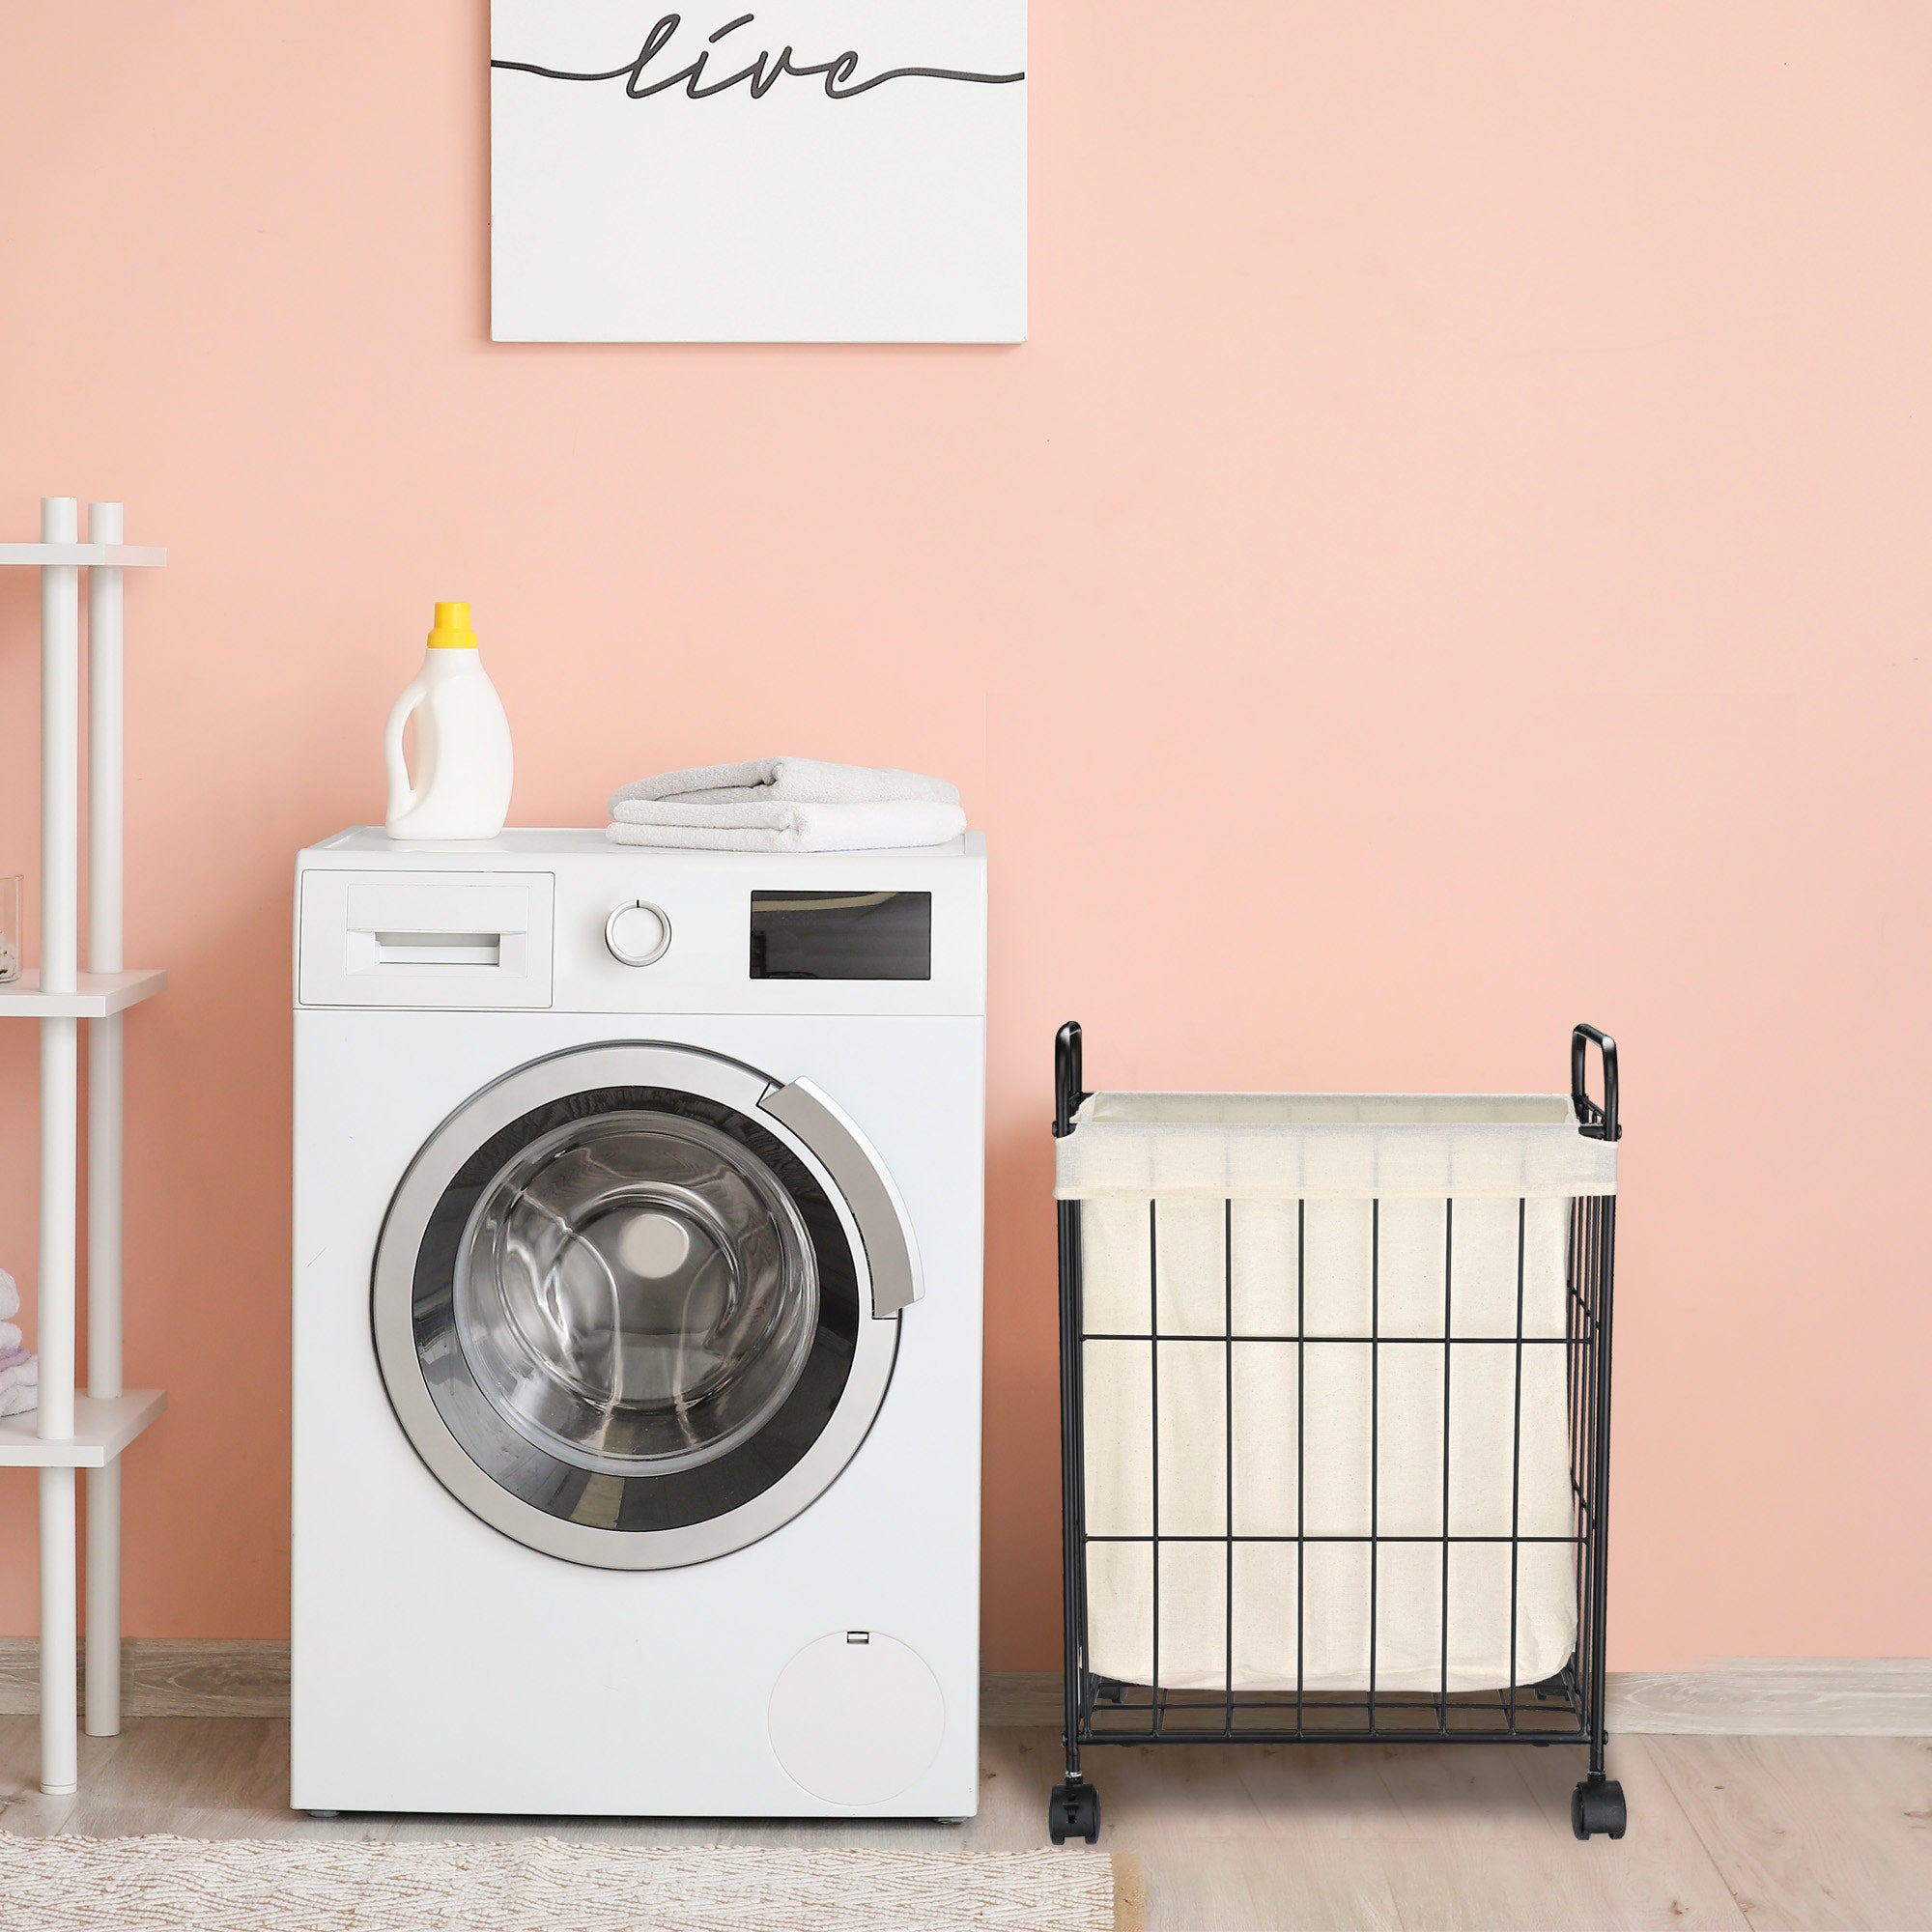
559	1075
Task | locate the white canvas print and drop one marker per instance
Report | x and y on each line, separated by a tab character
763	171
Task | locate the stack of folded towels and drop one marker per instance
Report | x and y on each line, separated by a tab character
786	804
19	1372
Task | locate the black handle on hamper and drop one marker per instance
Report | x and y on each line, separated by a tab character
1067	1092
1599	1124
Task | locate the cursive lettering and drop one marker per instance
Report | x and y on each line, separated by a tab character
763	73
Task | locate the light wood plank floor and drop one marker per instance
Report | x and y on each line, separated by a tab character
1764	1833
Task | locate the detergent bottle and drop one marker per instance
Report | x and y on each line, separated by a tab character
461	787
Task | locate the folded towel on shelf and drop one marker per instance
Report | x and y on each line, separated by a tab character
879	825
19	1367
786	781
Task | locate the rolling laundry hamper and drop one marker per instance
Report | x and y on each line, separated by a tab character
1335	1410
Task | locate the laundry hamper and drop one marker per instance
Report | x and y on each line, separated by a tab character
1335	1405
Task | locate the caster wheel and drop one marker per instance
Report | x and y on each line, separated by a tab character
1073	1811
1598	1806
324	1814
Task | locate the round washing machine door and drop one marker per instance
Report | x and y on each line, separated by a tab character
634	1305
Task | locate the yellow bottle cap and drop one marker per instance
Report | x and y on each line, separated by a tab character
452	631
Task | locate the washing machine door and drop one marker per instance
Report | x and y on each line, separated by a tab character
636	1305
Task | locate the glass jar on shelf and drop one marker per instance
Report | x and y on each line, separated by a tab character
11	941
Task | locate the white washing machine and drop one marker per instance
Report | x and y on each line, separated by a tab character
637	1285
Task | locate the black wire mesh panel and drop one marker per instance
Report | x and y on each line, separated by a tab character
1337	1540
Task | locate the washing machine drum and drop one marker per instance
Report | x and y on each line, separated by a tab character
635	1305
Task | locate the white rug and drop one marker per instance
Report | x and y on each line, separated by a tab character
539	1885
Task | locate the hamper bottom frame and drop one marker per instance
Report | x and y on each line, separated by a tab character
1566	1707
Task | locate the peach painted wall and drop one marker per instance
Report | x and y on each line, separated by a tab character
1453	559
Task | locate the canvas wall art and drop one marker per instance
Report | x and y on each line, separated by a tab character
786	171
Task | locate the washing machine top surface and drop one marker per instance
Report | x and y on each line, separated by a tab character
527	843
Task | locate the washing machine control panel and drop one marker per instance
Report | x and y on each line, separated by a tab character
638	933
566	921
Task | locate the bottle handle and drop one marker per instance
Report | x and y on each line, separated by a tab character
403	797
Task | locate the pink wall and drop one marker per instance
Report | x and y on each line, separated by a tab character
1453	559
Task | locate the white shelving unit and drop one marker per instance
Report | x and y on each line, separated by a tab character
73	1431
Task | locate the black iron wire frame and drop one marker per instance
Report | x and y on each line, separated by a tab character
1567	1708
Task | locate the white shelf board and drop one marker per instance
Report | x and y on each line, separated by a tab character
123	556
99	994
102	1426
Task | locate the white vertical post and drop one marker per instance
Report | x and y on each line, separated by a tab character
60	958
60	1072
105	841
60	1729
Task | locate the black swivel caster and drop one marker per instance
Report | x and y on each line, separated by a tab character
1596	1804
1073	1811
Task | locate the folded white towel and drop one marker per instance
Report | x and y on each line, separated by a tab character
10	1297
19	1401
10	1336
23	1375
786	781
886	825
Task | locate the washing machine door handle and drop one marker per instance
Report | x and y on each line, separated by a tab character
891	1253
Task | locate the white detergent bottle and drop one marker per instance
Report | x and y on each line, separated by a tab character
461	784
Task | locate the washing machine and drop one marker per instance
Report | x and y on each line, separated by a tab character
637	1329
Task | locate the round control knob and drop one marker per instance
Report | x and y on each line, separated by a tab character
638	933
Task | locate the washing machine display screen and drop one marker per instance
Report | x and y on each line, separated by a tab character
842	935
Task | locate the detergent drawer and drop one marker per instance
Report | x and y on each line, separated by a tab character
403	939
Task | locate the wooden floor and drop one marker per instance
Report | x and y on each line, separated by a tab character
1769	1833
